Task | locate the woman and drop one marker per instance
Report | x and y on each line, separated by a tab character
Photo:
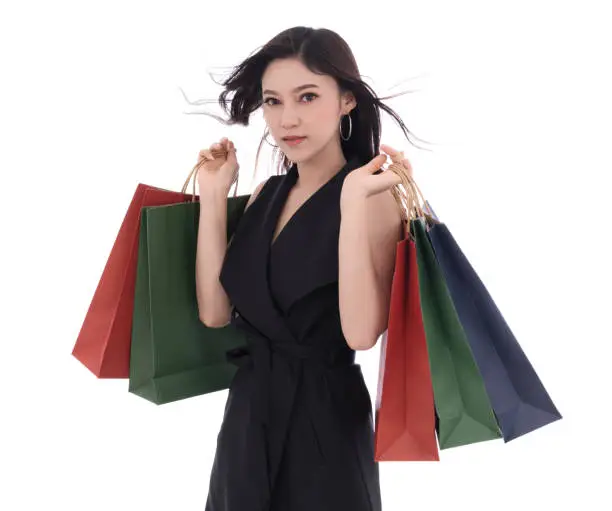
307	277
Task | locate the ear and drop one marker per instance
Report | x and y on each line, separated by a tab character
348	102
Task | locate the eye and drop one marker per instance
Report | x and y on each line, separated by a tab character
265	102
310	94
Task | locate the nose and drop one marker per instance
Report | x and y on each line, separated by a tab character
288	119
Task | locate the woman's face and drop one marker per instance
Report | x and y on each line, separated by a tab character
298	102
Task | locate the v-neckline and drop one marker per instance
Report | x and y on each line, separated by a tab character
291	177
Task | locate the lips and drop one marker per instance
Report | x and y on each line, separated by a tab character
293	138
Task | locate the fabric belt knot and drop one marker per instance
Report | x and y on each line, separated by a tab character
259	352
277	369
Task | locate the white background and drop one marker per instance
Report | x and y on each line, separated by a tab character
514	96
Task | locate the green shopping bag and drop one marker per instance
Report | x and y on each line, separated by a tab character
173	355
462	405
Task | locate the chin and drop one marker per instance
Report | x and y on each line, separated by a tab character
296	159
301	156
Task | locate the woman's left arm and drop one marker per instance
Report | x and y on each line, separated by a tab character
370	229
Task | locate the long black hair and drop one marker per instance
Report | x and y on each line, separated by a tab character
322	51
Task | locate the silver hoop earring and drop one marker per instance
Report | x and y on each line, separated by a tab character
350	128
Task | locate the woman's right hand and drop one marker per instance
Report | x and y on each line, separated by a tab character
218	170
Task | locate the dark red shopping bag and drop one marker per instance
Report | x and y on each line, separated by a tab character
103	344
405	413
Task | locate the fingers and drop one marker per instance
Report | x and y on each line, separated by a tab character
389	150
231	153
396	156
225	145
378	160
206	154
375	163
222	151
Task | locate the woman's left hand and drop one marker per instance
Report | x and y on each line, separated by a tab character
362	182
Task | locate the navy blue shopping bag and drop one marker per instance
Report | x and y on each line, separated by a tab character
518	397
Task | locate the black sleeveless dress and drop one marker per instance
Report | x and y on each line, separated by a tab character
297	431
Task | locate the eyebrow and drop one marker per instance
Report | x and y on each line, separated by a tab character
297	89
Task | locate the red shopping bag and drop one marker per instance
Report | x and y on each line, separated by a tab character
405	413
103	343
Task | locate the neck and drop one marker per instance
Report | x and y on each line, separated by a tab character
321	167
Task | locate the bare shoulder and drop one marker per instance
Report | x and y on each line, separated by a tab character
255	193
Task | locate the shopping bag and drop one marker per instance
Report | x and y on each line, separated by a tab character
103	343
465	414
405	415
429	210
519	399
173	354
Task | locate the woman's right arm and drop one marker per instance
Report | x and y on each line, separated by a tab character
213	303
